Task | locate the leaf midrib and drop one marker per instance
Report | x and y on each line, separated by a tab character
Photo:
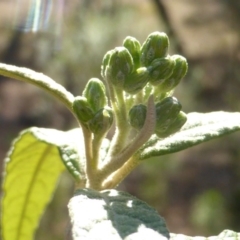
31	186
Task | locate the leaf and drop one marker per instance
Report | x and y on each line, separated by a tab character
224	235
40	80
200	127
114	215
32	169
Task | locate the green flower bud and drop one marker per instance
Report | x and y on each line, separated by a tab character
137	116
119	67
166	112
174	127
102	121
82	109
105	62
179	71
133	46
155	46
160	69
136	81
95	93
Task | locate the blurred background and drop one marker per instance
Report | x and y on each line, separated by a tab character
197	191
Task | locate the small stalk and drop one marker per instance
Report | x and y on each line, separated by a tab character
117	177
90	165
120	114
146	132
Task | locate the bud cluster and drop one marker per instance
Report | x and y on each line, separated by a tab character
132	66
91	108
140	80
169	117
143	70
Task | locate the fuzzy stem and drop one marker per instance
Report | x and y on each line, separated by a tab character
96	145
146	132
122	128
118	176
90	165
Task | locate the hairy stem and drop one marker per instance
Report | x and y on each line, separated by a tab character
148	128
90	168
118	176
120	114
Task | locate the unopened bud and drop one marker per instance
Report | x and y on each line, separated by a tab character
136	81
105	63
119	67
82	109
179	71
166	112
102	121
155	46
137	116
133	46
95	93
161	69
174	127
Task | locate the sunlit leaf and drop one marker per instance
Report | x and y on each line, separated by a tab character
114	215
32	169
40	80
200	127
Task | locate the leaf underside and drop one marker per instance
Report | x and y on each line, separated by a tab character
32	169
200	127
226	235
114	215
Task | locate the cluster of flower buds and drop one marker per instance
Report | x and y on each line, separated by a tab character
132	66
169	117
91	108
142	70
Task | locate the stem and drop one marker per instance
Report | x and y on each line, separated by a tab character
87	135
122	127
96	145
139	98
118	176
40	80
120	113
146	132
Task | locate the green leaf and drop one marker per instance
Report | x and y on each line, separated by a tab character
224	235
200	127
114	215
32	169
40	80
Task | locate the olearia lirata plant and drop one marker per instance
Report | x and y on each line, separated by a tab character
135	99
140	82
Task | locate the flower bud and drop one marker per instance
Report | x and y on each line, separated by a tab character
133	46
82	109
179	71
174	127
119	67
136	81
166	112
161	69
155	46
102	121
137	116
105	62
95	93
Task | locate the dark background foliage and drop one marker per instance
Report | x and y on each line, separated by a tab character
197	190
